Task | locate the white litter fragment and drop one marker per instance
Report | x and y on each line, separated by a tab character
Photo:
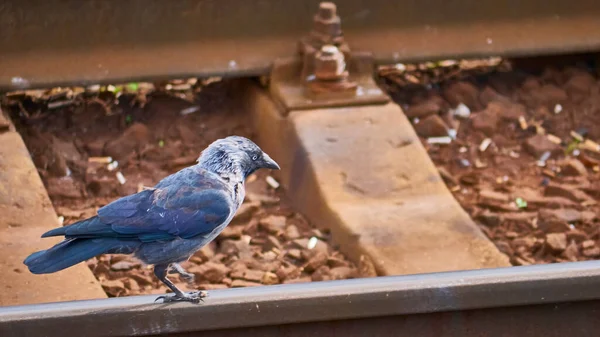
452	133
61	220
485	144
101	160
189	110
558	109
312	243
112	166
439	140
545	156
272	182
461	111
462	149
59	104
121	178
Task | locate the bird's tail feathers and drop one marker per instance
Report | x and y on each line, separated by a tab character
72	251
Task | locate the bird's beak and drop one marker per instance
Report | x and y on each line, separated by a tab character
269	163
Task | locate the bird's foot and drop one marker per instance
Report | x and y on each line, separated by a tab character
192	297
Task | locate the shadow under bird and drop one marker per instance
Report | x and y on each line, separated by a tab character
164	225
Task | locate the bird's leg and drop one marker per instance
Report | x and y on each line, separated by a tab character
160	271
177	268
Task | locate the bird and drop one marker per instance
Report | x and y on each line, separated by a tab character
166	224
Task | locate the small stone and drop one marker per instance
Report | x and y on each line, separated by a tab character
463	92
489	95
270	278
132	285
208	286
527	241
123	266
591	252
65	187
243	283
557	242
486	122
489	219
291	232
295	254
572	252
204	254
142	279
290	272
539	144
494	196
366	268
576	235
318	260
423	109
342	273
273	223
113	287
563	214
232	232
321	274
432	126
133	139
229	247
253	275
565	191
210	271
305	279
587	244
573	167
272	242
335	262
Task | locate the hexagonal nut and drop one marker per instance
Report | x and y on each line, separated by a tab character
330	63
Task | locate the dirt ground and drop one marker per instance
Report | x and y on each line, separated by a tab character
515	140
150	131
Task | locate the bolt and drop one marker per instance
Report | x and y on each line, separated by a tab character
330	64
327	10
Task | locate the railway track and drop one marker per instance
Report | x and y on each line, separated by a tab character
548	300
90	43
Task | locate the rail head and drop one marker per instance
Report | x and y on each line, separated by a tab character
312	302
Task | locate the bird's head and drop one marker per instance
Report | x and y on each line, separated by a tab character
235	156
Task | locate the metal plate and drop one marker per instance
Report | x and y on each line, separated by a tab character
46	43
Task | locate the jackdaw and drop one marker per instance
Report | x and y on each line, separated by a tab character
164	225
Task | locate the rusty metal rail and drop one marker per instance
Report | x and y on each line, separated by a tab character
544	300
46	43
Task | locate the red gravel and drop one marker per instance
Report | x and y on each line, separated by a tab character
534	211
152	134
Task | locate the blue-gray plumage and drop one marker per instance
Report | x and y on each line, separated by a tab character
168	223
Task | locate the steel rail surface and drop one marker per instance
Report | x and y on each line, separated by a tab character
46	43
507	289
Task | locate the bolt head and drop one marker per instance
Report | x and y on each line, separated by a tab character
327	10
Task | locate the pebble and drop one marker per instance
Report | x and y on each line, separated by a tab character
244	283
557	242
273	223
210	271
538	144
432	126
573	167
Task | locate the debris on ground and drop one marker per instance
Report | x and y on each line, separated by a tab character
108	142
533	138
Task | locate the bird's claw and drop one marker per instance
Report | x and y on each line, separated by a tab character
192	297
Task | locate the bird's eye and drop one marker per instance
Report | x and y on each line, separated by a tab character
254	157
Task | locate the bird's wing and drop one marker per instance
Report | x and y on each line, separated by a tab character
194	205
